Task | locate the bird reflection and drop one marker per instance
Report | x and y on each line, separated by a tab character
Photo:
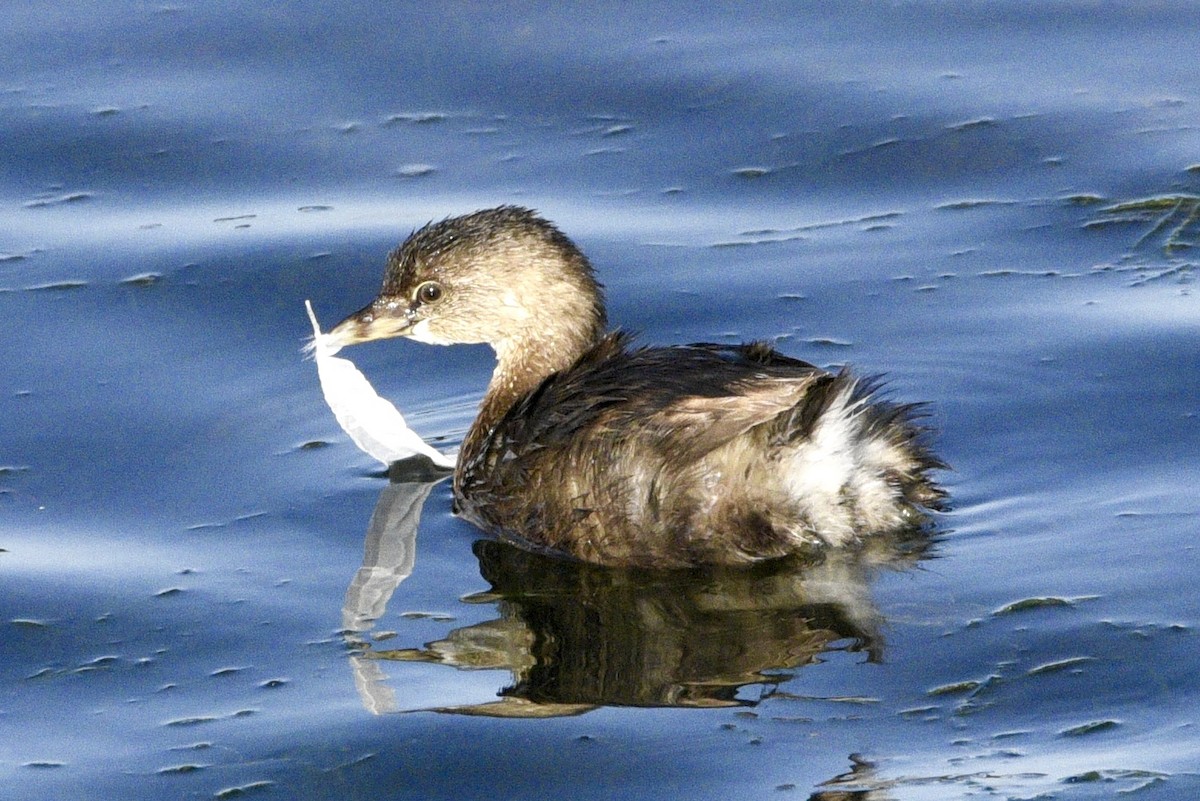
577	636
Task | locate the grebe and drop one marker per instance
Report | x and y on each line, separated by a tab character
640	456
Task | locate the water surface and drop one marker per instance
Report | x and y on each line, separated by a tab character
994	205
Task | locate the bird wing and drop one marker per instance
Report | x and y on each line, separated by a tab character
684	401
694	425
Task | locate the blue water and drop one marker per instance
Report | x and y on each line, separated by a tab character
994	204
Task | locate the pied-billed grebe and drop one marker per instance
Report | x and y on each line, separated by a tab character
656	457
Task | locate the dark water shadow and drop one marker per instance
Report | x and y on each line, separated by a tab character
577	636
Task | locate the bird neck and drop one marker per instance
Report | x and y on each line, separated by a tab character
524	362
552	335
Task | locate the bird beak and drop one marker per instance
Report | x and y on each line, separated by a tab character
382	319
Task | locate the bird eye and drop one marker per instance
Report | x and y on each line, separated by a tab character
429	292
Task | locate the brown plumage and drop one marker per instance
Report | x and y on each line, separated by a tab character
657	457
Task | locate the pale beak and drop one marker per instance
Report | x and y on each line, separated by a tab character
382	319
